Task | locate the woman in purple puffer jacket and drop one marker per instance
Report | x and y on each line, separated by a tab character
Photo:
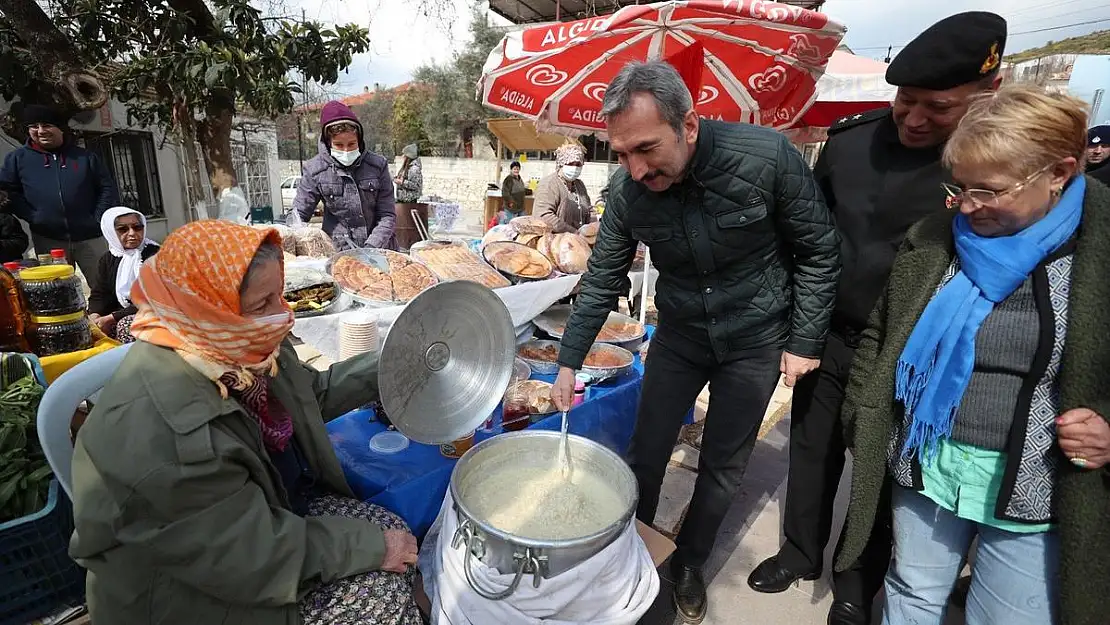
354	185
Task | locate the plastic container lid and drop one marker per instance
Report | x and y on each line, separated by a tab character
583	378
58	253
13	266
46	272
388	442
70	318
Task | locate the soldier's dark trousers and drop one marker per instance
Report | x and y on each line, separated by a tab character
740	389
816	465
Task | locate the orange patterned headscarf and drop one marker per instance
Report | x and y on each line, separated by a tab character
188	301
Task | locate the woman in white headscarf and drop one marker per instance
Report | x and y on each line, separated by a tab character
110	305
561	198
410	178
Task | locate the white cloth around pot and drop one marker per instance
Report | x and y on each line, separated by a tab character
616	586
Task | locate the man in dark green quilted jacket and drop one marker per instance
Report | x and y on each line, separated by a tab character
748	263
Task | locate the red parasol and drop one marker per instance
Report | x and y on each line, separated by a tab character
760	61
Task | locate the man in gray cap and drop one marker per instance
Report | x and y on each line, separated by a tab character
880	172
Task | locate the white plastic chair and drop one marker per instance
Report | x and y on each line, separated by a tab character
60	401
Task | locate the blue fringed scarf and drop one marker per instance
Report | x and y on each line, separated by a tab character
935	366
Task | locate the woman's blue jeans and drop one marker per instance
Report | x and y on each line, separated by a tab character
1013	580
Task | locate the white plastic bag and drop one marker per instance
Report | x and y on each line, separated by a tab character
233	206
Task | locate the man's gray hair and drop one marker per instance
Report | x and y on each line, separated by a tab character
657	78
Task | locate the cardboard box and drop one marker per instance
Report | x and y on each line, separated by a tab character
659	546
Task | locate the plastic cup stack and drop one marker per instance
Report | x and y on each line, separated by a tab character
358	334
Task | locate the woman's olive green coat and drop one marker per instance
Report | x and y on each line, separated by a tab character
180	516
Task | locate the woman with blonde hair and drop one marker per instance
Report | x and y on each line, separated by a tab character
980	387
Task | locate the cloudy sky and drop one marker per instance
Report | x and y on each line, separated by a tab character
402	39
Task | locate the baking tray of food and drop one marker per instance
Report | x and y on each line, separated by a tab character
604	361
379	278
310	292
453	261
538	395
619	329
519	263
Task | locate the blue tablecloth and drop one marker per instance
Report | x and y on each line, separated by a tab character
413	482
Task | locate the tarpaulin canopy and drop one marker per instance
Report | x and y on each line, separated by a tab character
762	61
520	135
851	85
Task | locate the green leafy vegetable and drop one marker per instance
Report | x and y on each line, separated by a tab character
24	473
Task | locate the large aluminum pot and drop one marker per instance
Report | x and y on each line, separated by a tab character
508	553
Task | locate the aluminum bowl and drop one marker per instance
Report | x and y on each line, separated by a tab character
597	374
541	367
554	320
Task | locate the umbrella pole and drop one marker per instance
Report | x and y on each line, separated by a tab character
644	290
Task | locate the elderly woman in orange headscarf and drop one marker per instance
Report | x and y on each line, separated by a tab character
205	487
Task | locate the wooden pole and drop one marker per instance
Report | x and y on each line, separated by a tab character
500	150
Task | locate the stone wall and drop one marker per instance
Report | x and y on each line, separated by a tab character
464	180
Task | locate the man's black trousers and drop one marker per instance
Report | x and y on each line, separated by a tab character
816	465
675	373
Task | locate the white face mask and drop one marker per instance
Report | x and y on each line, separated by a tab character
276	319
571	172
345	158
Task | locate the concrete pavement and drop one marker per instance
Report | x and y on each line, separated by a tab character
751	532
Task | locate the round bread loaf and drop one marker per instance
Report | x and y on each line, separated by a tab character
528	224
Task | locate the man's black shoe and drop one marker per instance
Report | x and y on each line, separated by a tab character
771	576
689	593
844	613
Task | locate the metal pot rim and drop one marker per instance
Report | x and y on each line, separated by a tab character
531	542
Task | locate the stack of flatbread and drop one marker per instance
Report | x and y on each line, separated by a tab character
518	260
404	280
456	262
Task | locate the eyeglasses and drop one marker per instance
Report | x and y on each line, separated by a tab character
986	197
124	228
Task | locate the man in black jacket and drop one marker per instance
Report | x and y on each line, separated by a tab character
880	172
748	261
59	189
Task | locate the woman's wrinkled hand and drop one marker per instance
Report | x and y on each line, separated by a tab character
1084	437
105	323
400	551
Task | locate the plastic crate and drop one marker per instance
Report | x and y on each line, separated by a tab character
37	575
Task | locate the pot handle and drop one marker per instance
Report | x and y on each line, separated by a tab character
466	534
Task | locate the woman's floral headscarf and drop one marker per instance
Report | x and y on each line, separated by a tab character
188	301
569	153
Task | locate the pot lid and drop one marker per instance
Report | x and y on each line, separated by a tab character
446	362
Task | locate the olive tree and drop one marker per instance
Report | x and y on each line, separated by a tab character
175	63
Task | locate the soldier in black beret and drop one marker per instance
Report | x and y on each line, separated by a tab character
880	173
1098	153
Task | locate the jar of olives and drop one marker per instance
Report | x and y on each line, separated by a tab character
52	290
60	334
